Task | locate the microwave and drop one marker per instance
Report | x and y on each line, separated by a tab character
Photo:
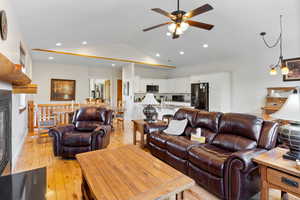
152	88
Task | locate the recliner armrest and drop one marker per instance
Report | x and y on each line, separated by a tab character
59	130
154	127
245	158
57	133
102	130
101	137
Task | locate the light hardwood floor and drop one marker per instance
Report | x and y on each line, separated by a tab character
64	176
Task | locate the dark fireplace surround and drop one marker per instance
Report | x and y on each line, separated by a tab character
5	131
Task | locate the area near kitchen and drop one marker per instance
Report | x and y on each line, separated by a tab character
207	92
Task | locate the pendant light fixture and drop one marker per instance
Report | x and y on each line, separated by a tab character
280	63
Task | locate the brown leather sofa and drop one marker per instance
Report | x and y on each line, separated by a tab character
90	130
223	165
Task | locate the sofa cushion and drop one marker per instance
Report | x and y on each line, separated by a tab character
159	139
179	146
186	113
208	120
209	158
244	125
234	142
76	139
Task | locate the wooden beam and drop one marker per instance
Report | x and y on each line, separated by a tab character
106	58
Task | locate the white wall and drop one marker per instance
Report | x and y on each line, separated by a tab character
43	72
11	49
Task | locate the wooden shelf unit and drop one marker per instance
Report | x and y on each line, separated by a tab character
25	89
273	104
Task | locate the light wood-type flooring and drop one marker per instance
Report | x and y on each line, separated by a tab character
64	176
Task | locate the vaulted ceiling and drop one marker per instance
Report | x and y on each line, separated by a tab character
113	28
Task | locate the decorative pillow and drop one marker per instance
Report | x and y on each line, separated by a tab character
176	127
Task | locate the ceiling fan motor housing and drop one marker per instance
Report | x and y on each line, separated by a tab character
179	15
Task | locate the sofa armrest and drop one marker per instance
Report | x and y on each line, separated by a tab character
239	171
154	127
101	137
245	158
109	117
57	133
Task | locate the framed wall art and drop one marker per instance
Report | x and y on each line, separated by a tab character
63	90
294	69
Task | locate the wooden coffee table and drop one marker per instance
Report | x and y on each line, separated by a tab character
129	173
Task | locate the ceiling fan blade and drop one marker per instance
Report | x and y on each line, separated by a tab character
157	26
163	12
199	11
200	25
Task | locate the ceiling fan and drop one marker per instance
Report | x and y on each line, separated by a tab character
180	20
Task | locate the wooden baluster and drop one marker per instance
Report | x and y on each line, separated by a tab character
31	117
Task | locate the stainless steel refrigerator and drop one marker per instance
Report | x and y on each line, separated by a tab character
200	96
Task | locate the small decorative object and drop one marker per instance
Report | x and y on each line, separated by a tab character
4	26
63	90
22	56
149	110
126	88
280	63
294	69
198	136
290	134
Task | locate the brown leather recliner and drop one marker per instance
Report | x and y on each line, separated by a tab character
90	130
223	165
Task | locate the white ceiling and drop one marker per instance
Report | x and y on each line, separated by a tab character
113	28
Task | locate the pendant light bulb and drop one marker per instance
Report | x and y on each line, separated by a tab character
284	70
273	71
172	27
184	26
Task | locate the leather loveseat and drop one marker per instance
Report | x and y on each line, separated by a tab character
223	165
90	130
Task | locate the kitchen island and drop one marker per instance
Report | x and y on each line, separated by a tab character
169	107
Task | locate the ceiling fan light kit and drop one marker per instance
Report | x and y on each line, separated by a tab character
180	20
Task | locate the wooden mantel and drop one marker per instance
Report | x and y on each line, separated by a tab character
12	73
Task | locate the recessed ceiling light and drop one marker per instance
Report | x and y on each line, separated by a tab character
58	44
50	58
168	34
84	43
181	52
205	45
157	55
113	64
